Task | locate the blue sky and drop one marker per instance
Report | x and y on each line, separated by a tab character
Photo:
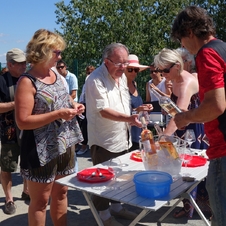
19	19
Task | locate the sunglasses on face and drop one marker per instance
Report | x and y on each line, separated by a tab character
167	70
58	52
153	71
136	70
60	67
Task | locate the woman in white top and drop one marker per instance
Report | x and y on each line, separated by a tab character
162	85
159	83
83	122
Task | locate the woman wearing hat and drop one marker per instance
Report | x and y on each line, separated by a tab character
136	101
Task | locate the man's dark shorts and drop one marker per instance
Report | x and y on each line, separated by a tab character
9	157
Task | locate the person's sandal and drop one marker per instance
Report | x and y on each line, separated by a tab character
181	213
25	196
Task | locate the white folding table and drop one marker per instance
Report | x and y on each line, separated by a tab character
127	193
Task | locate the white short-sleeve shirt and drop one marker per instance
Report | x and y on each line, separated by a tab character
102	92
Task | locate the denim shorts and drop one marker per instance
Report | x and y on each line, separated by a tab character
215	185
9	157
61	165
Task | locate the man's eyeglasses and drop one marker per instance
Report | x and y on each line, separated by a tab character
136	70
58	52
167	70
60	67
119	64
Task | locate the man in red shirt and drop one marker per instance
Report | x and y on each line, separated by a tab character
195	30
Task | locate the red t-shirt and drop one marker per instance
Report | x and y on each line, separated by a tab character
211	68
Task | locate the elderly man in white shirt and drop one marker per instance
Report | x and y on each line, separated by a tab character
109	120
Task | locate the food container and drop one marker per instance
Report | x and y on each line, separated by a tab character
152	184
164	160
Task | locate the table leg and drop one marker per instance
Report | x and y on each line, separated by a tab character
93	209
186	195
189	196
142	214
169	211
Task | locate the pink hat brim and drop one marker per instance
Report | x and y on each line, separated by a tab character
142	67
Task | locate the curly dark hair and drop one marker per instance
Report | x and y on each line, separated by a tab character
89	69
192	19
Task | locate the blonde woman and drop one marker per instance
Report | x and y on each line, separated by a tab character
185	94
184	87
46	114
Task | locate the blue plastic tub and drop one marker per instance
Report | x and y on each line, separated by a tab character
152	184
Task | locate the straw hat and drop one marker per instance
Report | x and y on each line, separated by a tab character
134	62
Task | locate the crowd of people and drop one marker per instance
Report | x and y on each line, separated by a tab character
43	120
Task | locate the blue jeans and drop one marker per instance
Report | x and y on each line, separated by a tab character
216	187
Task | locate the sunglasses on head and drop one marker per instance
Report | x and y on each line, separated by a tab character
136	70
58	52
167	70
60	67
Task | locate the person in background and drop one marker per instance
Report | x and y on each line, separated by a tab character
136	100
83	122
4	70
188	60
109	118
62	77
162	85
46	114
70	78
72	82
195	30
10	149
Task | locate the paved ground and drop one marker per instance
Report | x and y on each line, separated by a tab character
79	213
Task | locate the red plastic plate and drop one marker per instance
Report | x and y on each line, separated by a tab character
86	175
136	156
196	161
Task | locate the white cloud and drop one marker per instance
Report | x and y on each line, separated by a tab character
3	39
19	41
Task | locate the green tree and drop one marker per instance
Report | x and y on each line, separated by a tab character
89	25
142	25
